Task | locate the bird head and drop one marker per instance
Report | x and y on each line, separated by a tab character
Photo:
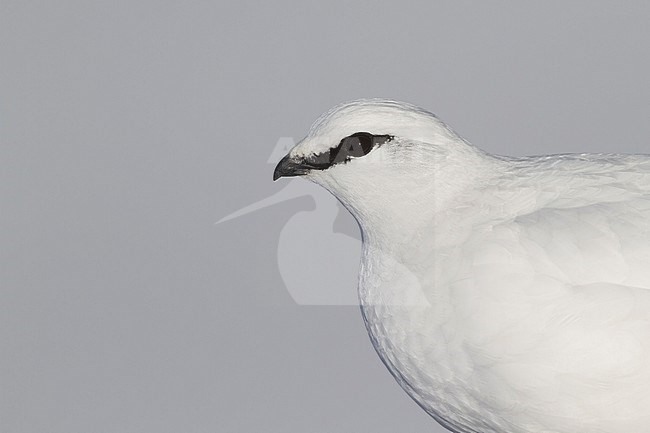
383	159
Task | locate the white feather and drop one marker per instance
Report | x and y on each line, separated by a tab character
505	295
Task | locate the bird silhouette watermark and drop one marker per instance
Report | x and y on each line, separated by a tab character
319	248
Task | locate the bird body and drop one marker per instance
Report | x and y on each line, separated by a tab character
505	295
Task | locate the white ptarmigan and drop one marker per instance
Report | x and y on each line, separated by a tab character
505	295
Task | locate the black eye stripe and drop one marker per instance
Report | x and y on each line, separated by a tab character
354	146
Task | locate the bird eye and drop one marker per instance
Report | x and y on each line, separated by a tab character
354	146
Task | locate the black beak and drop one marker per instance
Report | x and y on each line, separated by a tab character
290	167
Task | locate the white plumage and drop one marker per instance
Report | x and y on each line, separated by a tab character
505	295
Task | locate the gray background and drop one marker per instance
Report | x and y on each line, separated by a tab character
127	128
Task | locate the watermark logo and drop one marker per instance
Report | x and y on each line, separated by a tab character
318	249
